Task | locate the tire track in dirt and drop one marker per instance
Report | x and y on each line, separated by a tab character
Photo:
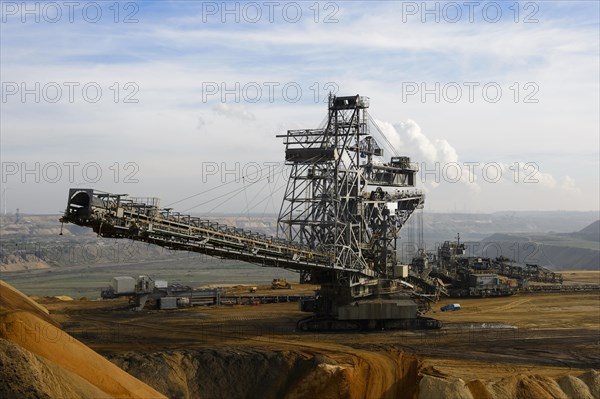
512	305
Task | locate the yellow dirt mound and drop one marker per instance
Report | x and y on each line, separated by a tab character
12	299
574	387
592	379
480	390
25	375
63	297
434	387
43	339
527	387
54	362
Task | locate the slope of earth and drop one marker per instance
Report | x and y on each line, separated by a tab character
526	346
11	300
555	251
41	360
589	233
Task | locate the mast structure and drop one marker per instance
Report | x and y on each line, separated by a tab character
342	198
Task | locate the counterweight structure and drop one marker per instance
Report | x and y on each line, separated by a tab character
342	212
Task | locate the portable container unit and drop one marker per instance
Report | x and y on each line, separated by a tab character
161	284
123	284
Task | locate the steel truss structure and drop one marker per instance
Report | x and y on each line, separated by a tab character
341	215
342	198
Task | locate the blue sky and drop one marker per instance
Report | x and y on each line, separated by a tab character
546	65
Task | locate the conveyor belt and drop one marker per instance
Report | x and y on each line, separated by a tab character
118	216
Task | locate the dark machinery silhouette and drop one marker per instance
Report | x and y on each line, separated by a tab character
342	212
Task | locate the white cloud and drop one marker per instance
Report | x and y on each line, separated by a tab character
568	184
234	111
437	158
445	175
170	59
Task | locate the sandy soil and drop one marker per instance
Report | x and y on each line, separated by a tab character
19	265
510	347
581	277
11	299
524	346
58	365
528	311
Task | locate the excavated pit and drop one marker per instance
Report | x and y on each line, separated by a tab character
248	373
178	356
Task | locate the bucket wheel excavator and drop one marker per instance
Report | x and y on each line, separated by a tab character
341	215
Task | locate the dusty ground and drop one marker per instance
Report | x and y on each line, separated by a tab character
39	360
525	346
581	276
558	330
546	334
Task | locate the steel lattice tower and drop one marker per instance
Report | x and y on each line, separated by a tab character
335	199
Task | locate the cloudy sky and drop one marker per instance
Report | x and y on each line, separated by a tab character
497	101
